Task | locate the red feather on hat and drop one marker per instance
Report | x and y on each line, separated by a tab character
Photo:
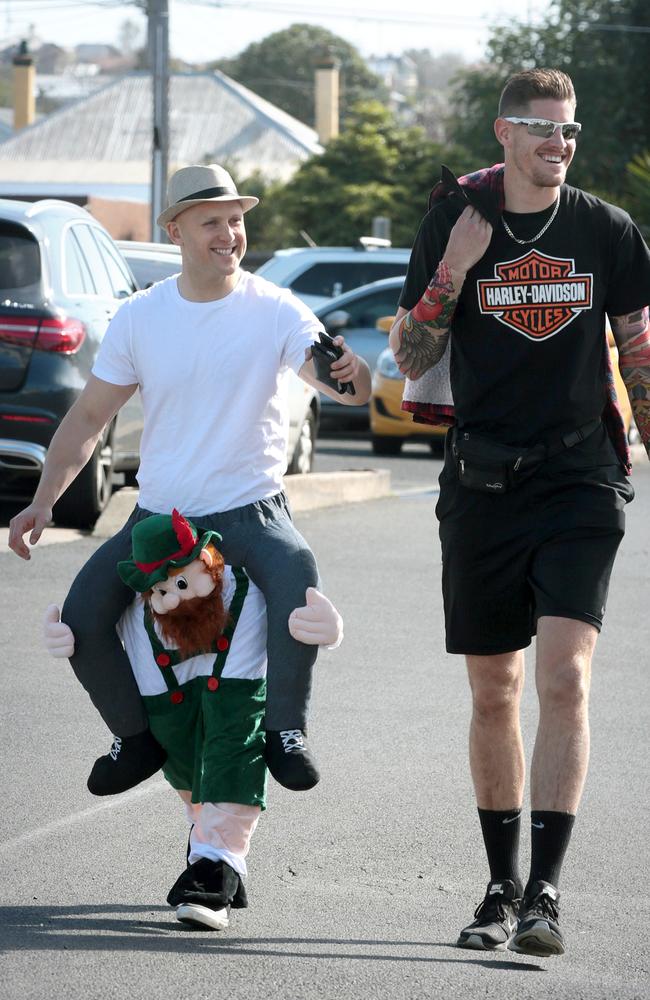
183	531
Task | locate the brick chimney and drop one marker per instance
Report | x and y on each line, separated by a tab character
24	88
327	98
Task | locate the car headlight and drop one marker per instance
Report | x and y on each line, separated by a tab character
386	365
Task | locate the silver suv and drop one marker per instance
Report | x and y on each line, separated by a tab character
316	274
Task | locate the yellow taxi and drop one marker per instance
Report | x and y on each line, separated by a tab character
391	426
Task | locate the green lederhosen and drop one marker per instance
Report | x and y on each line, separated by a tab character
212	727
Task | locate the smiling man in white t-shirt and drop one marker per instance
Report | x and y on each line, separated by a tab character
210	351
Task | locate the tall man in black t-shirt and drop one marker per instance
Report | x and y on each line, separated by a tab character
529	533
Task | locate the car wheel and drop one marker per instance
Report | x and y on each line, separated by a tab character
386	445
303	456
86	497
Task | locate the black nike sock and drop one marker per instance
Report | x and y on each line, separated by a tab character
501	837
550	835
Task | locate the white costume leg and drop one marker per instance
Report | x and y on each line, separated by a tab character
221	831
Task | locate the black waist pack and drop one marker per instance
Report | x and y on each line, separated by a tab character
491	467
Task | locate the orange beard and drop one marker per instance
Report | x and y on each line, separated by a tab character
195	625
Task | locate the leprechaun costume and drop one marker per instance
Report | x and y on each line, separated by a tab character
205	710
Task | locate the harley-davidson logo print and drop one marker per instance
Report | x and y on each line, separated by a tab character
535	295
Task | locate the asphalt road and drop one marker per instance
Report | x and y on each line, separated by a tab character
358	888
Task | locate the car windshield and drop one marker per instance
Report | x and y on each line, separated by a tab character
20	265
147	270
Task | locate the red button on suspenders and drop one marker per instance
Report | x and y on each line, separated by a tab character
163	660
222	643
213	683
177	697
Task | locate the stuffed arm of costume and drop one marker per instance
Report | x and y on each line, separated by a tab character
318	623
419	338
58	637
632	336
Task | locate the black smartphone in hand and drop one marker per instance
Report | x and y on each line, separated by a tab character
324	351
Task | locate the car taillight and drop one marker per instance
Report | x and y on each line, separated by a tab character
61	334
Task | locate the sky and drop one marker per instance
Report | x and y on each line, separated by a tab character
202	30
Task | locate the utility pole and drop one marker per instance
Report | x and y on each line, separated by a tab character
158	21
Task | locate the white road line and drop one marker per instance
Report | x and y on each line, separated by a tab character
125	799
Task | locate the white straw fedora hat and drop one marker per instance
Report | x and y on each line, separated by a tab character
196	185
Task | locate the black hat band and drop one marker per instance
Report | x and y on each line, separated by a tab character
211	193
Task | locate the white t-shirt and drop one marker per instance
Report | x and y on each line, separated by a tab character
246	656
213	382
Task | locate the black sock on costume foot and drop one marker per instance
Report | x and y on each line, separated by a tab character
290	760
501	837
129	761
550	836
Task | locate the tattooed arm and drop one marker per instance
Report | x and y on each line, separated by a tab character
418	338
632	336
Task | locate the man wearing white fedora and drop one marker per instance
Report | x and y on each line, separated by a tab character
210	351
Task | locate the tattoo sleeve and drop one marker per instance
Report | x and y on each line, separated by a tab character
632	336
424	331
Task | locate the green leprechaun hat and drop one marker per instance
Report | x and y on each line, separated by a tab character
160	543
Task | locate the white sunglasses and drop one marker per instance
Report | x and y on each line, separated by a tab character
544	129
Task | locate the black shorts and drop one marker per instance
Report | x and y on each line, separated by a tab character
545	548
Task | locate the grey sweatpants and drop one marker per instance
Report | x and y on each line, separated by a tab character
261	537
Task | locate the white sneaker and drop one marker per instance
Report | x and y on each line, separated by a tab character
203	916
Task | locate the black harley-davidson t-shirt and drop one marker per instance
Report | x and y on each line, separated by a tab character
527	338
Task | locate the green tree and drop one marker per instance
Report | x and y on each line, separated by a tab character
281	69
373	168
598	43
638	177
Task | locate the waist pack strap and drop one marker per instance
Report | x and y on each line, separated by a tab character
573	437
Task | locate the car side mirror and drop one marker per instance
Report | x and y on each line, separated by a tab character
336	321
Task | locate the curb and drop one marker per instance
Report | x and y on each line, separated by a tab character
305	492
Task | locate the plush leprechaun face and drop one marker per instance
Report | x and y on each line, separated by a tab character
184	584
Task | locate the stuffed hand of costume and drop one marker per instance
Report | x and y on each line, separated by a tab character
318	623
58	637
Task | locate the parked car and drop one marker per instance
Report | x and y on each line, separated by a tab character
151	262
61	279
390	425
355	315
319	274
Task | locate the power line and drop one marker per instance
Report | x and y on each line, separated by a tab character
336	13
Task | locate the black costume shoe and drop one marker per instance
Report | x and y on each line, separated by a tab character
496	918
538	931
205	892
128	762
290	760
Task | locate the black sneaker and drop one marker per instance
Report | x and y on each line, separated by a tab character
496	918
538	932
128	762
290	760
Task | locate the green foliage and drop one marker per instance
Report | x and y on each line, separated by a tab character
609	69
638	178
281	68
373	168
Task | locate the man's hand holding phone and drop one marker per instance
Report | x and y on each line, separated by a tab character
336	365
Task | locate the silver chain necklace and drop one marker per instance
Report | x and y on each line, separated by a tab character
540	233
